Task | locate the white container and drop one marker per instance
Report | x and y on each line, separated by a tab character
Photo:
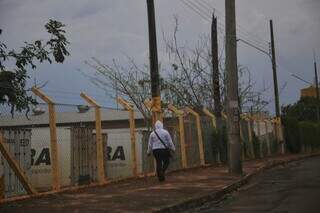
117	156
41	157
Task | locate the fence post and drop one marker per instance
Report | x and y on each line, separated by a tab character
179	113
281	138
152	107
268	138
248	119
148	104
14	165
259	136
224	115
129	107
278	133
99	144
250	130
214	123
53	138
200	141
211	115
1	186
275	131
242	142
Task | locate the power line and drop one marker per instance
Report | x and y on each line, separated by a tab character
204	5
240	27
261	50
205	14
198	9
204	17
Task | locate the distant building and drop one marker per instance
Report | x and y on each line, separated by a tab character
309	92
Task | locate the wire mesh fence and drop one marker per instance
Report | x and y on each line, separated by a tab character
75	161
191	141
29	141
18	142
148	164
211	147
246	142
172	125
21	135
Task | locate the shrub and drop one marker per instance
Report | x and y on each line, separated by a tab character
292	134
309	134
274	146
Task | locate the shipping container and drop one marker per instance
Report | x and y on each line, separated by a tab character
76	154
18	144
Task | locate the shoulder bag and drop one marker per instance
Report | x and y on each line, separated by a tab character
163	143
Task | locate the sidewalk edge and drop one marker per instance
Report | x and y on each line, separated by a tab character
198	201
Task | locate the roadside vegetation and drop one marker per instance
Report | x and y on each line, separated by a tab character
301	125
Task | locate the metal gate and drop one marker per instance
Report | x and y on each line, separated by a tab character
83	161
19	144
84	155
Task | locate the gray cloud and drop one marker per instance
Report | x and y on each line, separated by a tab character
109	28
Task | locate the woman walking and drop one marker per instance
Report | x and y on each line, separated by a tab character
160	143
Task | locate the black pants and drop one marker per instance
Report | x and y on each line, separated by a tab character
162	159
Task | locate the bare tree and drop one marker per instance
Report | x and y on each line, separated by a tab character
190	77
128	81
249	96
187	81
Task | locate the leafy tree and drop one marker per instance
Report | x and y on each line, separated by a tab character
303	110
300	123
13	90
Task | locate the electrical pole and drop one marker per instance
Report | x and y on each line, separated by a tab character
274	68
215	68
216	81
233	116
317	85
154	72
278	129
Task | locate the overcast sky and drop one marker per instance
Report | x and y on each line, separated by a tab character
109	29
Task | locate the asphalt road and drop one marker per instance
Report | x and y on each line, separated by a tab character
291	188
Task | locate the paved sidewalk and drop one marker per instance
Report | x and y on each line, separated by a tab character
147	194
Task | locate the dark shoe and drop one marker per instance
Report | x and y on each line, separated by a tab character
161	179
161	176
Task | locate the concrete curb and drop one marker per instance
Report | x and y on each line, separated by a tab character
215	196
